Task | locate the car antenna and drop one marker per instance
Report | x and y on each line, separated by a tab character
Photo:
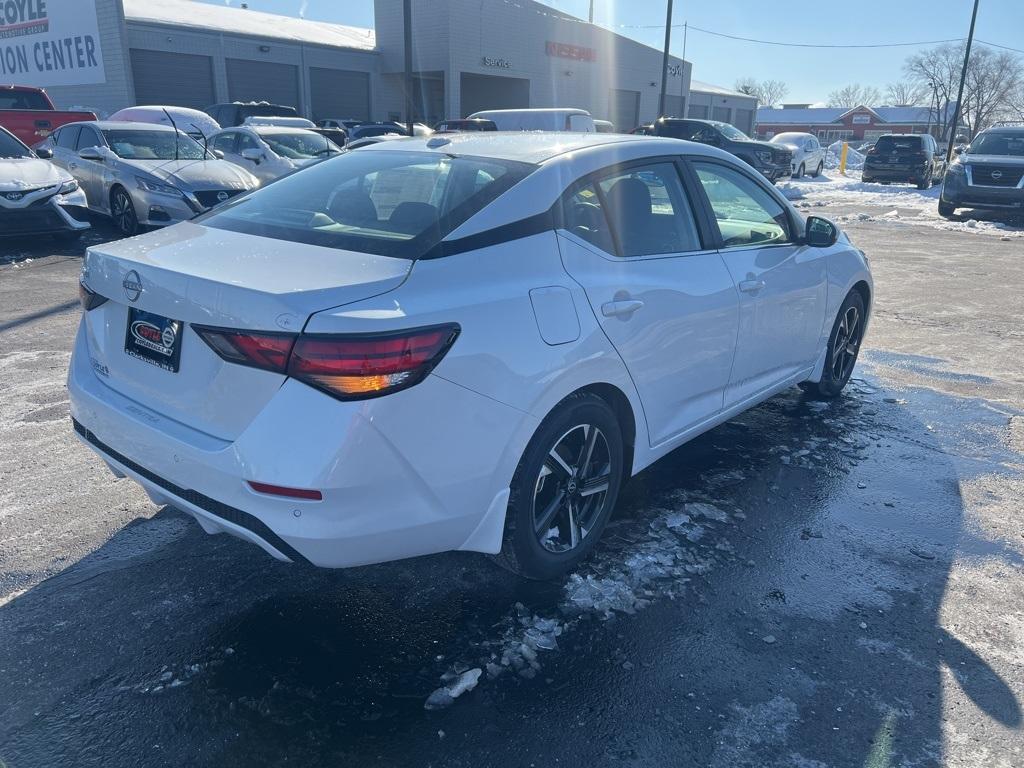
175	127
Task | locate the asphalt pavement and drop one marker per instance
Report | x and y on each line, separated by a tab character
808	585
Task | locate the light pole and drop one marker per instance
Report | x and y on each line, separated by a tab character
407	11
664	59
960	91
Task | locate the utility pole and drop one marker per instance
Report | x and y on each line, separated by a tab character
407	10
591	11
664	59
960	91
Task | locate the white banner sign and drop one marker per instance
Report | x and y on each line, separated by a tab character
50	42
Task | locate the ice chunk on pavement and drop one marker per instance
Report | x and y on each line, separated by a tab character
707	511
444	697
677	520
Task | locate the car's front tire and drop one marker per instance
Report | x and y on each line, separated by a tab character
800	172
564	489
843	349
925	183
818	170
946	210
122	211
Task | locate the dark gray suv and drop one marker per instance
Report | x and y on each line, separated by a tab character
988	174
772	160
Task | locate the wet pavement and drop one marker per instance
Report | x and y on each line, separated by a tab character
808	585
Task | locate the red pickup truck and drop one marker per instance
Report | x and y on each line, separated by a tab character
29	114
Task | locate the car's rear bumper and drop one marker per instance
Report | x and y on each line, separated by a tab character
908	174
421	471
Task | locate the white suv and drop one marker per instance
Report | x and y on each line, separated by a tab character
466	342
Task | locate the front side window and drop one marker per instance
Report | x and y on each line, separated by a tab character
746	214
140	144
225	142
247	141
388	203
648	211
89	138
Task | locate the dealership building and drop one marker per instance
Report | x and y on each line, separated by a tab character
468	55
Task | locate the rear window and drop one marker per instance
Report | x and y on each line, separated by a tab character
898	144
266	110
389	203
24	100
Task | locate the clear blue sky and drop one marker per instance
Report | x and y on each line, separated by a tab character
810	73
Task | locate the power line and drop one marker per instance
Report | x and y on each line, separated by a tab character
997	45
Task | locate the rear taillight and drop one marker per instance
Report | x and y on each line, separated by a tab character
89	299
267	351
350	367
357	367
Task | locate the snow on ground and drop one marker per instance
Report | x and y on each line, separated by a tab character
899	203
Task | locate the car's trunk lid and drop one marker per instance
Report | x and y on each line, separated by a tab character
203	276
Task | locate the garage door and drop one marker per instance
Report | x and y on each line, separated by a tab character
263	81
480	92
339	93
174	79
624	109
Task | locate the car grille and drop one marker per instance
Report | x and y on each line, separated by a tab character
17	195
782	157
210	198
997	175
25	221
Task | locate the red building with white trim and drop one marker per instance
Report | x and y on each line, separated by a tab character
860	123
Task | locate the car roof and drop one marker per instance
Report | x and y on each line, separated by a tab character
105	125
523	146
269	130
1004	129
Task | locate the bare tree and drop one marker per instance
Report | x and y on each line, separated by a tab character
906	93
993	79
854	96
767	92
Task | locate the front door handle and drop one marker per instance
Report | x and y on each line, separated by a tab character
751	286
621	308
72	165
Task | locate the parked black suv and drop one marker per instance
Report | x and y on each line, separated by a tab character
904	157
988	174
772	160
235	113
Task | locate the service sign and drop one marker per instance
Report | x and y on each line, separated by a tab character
50	42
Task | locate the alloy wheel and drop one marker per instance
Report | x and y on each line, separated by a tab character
846	345
123	213
571	489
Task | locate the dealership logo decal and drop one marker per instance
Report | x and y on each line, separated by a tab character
132	285
567	51
23	17
222	196
151	337
490	61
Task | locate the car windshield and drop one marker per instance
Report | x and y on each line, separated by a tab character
898	144
788	138
140	144
299	146
11	148
999	144
731	132
389	203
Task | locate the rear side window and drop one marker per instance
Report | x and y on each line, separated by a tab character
68	137
584	217
745	213
390	203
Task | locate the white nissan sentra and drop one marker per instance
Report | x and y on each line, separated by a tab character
464	342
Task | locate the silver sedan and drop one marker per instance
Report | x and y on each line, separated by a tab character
145	175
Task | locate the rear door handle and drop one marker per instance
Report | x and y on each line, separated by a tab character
751	286
621	308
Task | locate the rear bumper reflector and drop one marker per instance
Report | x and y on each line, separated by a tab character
281	490
212	506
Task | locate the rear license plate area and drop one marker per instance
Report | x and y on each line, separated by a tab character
154	339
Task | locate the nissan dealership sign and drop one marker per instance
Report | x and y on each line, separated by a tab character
50	42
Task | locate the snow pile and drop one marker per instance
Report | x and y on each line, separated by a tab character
854	159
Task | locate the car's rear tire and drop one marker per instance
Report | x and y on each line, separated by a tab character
946	210
818	170
800	172
560	499
925	183
843	348
122	211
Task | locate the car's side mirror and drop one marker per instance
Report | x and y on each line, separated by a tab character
959	150
44	153
91	153
218	154
820	232
253	154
